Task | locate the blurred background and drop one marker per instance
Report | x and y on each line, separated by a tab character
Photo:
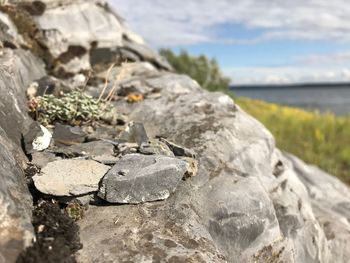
287	63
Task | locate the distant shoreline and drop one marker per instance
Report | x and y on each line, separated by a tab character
294	86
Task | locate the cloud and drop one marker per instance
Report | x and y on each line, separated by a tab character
287	74
324	59
182	22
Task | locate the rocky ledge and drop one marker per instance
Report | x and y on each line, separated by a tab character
172	174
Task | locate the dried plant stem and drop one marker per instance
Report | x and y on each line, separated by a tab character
106	82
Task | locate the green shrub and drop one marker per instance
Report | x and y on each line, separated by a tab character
206	72
73	108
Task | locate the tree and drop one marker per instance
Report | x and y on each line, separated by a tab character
206	72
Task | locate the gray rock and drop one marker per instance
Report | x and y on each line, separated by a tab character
24	68
236	203
41	159
135	86
8	32
192	166
134	132
33	132
18	68
179	150
146	54
15	201
70	177
155	147
107	159
68	135
88	149
124	148
330	202
141	178
97	38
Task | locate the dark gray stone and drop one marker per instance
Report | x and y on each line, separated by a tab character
134	132
68	135
139	178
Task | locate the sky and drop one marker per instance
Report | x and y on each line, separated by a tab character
254	41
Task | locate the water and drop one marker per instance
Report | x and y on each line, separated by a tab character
323	99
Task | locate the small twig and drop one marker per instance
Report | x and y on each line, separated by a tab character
120	76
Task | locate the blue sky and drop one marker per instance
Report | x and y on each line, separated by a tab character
255	41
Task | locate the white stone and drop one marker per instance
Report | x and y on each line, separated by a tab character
70	177
41	143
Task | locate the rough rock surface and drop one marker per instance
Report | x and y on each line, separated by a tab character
139	178
70	177
18	68
16	230
248	213
68	135
248	202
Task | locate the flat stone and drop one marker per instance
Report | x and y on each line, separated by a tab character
139	178
70	177
134	132
68	135
89	149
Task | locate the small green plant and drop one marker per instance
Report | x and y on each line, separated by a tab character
73	108
75	211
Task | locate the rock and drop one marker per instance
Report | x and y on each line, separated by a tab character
107	159
34	131
48	85
123	148
330	202
235	203
141	178
41	159
68	135
192	167
133	87
146	54
90	149
70	177
8	32
179	150
97	38
43	141
16	230
100	132
134	133
155	147
24	68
